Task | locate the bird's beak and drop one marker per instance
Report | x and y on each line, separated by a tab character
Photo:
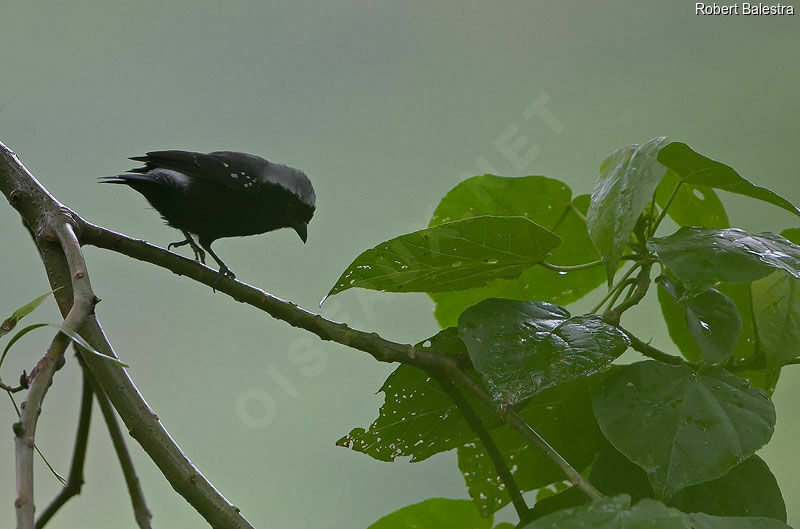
302	231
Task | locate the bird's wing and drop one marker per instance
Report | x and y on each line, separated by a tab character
236	171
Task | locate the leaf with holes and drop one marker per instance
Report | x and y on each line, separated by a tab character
562	415
699	257
417	418
628	178
545	201
522	347
455	256
692	205
682	427
696	169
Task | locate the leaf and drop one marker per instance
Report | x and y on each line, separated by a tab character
436	513
74	336
776	307
520	347
547	202
616	513
571	497
562	415
454	256
699	257
694	168
417	419
14	339
749	489
682	427
692	205
712	319
628	179
8	325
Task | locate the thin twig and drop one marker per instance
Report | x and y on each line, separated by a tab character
492	450
142	423
75	477
613	316
140	511
40	214
82	305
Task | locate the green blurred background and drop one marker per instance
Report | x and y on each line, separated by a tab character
386	107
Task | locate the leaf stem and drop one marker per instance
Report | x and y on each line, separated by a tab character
571	268
614	288
665	208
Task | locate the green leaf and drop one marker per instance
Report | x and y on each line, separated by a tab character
8	325
673	308
628	179
74	336
417	419
616	513
454	256
14	339
776	307
521	347
543	200
712	319
699	257
562	415
571	497
682	427
692	205
694	168
613	473
749	489
436	513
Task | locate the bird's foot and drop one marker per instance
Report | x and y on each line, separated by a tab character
199	254
226	272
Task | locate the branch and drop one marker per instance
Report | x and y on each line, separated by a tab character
140	511
494	453
40	213
81	305
75	478
146	428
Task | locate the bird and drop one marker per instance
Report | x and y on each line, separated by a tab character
221	194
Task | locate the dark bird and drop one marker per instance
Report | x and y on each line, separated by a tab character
221	194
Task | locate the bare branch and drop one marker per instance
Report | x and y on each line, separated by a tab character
140	511
42	215
81	305
75	478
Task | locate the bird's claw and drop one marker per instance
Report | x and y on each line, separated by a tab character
226	272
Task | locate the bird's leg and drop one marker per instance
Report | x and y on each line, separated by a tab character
223	270
199	254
